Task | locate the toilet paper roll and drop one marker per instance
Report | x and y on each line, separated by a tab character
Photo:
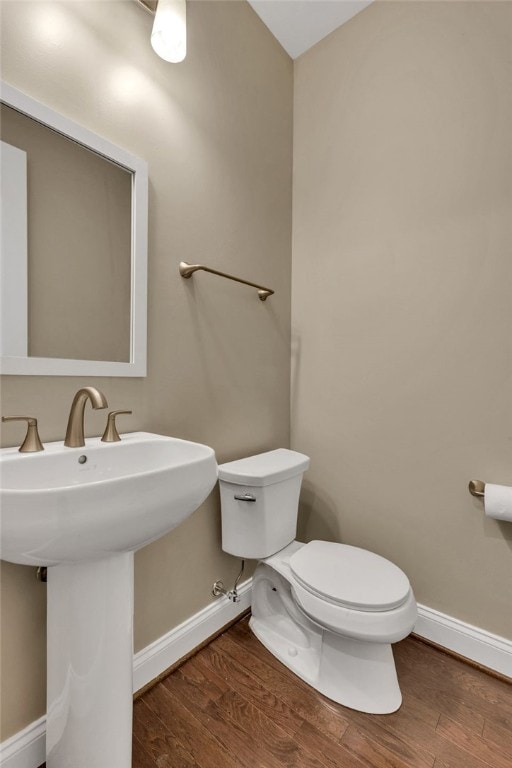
498	502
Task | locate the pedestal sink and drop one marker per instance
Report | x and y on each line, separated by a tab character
83	512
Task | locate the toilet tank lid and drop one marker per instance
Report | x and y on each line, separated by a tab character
264	468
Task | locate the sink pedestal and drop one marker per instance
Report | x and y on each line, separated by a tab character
90	664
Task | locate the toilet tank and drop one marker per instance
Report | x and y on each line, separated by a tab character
259	498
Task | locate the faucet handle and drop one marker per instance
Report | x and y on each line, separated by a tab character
32	442
111	435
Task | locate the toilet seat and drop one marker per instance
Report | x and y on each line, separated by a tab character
349	577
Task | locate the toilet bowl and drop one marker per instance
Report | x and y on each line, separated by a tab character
328	611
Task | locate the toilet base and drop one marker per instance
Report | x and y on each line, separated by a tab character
357	674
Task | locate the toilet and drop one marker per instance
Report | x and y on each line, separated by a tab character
327	611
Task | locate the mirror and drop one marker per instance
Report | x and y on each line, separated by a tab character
74	247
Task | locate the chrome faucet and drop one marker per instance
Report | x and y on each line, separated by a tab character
75	429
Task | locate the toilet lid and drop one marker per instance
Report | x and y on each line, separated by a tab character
349	576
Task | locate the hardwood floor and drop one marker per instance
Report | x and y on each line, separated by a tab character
234	706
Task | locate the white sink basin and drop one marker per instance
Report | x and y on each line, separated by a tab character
57	510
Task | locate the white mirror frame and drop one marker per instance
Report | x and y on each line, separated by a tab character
45	366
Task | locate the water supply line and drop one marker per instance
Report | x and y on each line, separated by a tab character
219	588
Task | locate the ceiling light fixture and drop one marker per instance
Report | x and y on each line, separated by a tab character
169	34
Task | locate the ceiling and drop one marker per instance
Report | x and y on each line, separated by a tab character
299	24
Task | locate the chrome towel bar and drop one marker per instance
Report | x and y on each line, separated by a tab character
187	270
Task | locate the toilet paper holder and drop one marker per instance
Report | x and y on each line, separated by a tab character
477	488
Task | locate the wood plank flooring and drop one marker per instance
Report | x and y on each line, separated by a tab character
234	706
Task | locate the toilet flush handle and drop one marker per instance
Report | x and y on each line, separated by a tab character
245	497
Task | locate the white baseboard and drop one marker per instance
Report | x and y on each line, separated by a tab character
473	643
26	749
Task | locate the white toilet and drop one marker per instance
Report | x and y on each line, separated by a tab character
327	611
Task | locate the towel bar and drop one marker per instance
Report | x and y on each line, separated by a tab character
187	270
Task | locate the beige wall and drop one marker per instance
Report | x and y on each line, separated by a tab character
217	134
401	294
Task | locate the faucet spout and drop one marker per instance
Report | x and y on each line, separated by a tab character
75	428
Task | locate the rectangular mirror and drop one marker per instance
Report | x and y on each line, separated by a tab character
73	264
